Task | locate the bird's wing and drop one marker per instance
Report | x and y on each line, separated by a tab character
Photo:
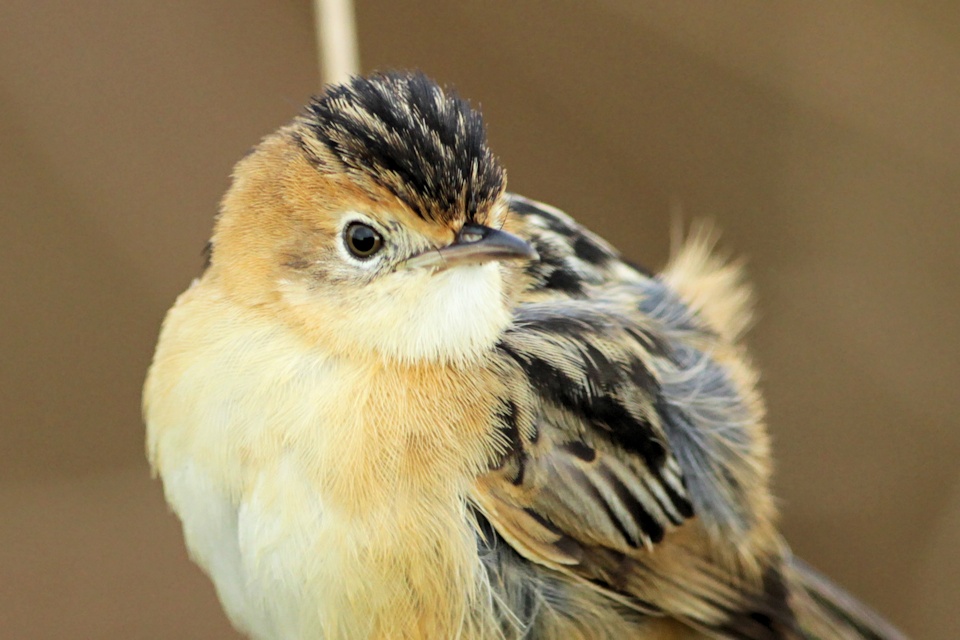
636	458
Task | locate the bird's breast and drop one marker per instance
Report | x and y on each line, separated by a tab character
323	498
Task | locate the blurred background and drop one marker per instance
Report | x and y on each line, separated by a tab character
823	137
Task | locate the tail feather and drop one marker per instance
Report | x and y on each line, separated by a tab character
826	612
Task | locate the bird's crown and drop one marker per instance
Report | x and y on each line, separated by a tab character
404	133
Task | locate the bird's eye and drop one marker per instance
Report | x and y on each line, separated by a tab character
362	240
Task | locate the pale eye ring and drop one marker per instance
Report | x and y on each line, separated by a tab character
362	240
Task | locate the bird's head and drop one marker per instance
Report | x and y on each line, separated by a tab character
373	224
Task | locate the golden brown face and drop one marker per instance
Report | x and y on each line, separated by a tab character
392	255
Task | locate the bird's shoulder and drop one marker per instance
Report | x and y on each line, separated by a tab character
572	259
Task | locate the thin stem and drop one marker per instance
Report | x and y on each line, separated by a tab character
336	40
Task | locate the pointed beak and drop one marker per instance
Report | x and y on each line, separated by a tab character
475	244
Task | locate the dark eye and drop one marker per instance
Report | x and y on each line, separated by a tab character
362	241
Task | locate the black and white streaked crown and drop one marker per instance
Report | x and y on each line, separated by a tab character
404	132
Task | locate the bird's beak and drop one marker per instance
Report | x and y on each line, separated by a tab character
475	244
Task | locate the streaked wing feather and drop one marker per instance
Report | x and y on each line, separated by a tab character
624	420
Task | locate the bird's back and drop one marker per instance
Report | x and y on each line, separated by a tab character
637	481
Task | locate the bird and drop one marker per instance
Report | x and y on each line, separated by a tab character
403	402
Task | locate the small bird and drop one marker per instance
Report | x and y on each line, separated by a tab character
401	402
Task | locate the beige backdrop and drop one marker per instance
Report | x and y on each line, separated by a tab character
822	136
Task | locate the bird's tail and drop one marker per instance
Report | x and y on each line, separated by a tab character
824	611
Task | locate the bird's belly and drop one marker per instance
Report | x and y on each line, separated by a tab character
285	567
263	552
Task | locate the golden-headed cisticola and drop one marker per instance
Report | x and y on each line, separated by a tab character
401	402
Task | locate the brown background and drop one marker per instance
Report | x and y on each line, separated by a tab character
822	136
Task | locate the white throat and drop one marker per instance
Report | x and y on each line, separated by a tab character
456	317
452	316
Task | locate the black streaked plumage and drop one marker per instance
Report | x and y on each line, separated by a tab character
650	472
405	133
